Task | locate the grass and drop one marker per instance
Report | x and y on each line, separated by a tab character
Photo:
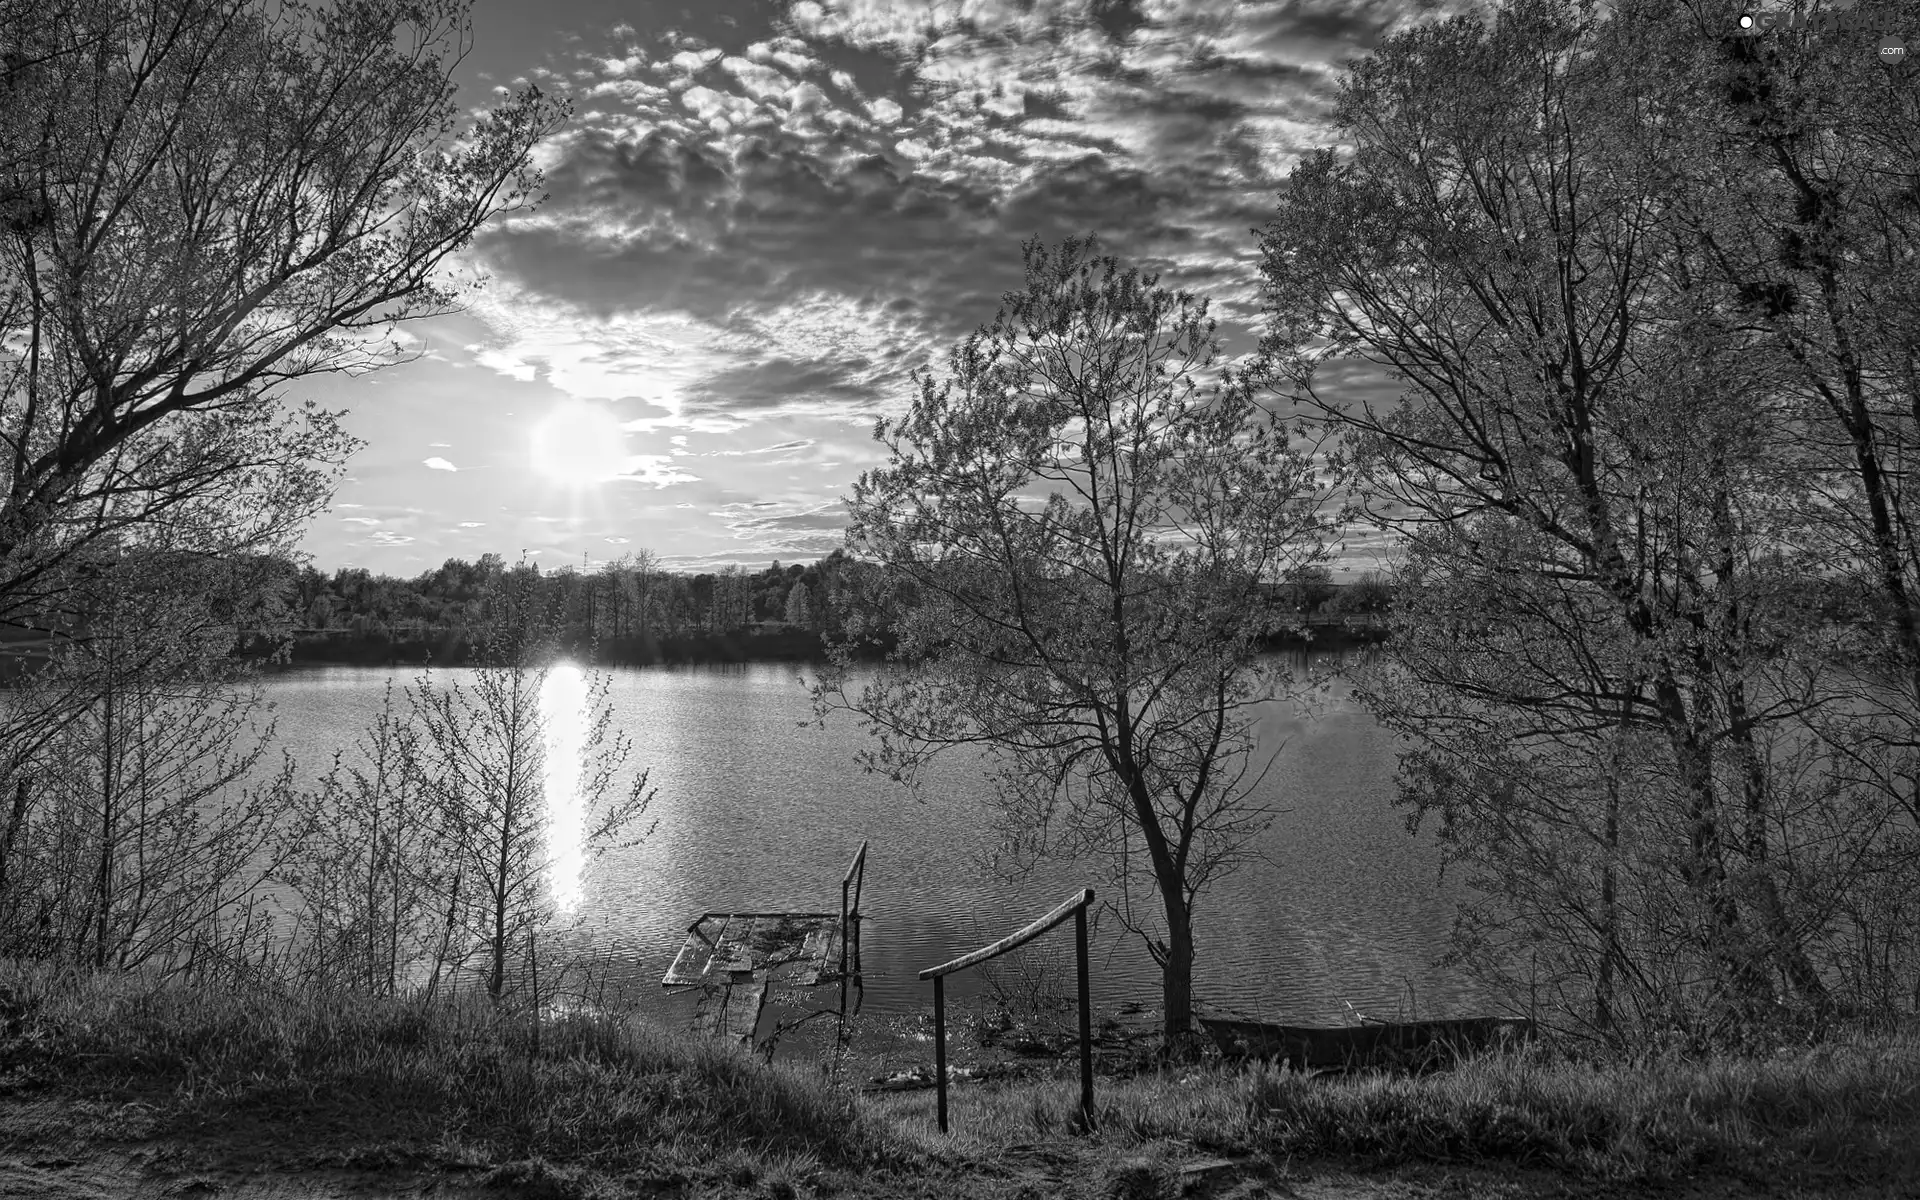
1851	1111
324	1077
608	1105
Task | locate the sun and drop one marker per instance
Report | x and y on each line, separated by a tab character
578	443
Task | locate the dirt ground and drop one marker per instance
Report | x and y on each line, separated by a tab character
56	1148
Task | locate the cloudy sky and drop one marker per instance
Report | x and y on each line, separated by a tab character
764	215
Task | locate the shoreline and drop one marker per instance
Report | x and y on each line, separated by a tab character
344	648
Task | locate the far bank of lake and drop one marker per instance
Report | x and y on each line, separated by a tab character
764	643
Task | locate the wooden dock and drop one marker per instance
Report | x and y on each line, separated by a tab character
733	957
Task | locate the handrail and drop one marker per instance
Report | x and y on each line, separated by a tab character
1076	908
859	862
1013	941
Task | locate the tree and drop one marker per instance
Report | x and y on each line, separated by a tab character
1077	534
1806	201
1600	496
369	870
1371	593
520	762
732	600
799	612
1310	587
135	837
201	200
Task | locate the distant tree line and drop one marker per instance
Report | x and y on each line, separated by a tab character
624	603
629	609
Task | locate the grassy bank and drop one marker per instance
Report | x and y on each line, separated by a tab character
607	1106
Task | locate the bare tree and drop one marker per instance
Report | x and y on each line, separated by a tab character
369	872
1803	191
141	825
510	757
1603	494
201	200
1078	532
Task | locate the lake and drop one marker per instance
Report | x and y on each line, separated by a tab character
756	812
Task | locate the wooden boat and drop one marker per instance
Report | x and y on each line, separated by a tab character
1409	1045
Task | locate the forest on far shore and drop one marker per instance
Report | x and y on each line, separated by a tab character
628	611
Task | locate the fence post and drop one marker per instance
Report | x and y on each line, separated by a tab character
1086	1020
940	1046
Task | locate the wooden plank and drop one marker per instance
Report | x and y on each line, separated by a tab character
815	960
732	949
744	1003
707	1014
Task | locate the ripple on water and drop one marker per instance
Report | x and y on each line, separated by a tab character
1343	913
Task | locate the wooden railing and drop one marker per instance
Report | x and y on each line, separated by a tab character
1076	907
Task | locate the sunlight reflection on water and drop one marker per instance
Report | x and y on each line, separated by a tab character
563	697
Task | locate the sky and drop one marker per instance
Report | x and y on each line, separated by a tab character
764	216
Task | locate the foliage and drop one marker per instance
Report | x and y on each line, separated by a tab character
1609	507
620	604
1075	530
800	605
141	825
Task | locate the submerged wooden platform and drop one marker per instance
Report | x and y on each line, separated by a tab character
729	943
734	956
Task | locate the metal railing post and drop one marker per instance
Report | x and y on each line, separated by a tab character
1086	1020
940	1045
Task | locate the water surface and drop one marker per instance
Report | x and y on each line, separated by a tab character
1345	915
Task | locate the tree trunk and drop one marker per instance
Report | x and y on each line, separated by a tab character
16	817
497	974
1176	975
103	873
1788	952
1704	870
1603	1016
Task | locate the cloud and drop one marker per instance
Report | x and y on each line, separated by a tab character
749	518
758	231
618	541
654	469
437	463
361	520
780	382
471	524
387	537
